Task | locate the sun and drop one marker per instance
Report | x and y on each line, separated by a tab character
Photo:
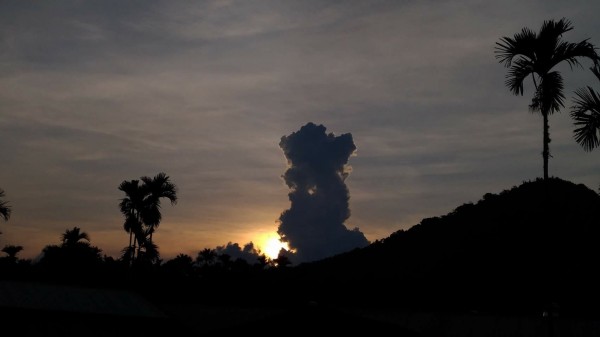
272	245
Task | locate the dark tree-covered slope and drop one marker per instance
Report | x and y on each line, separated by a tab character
518	250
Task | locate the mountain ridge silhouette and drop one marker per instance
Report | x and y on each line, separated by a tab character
523	249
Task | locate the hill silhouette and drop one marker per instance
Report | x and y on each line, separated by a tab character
516	254
519	251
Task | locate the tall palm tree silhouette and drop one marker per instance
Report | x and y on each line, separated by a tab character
4	208
141	207
586	113
528	53
157	187
131	206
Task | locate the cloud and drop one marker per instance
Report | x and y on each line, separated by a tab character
314	224
248	253
96	92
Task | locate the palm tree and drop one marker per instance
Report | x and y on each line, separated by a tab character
75	254
141	208
131	206
157	188
73	237
4	208
206	257
12	251
528	53
586	113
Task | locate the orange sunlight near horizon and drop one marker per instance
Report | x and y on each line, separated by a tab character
270	245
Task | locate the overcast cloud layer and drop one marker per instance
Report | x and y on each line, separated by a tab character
96	92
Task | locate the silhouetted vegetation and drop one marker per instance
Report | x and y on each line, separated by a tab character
533	248
586	113
528	53
517	251
514	251
141	208
12	251
75	259
11	264
4	207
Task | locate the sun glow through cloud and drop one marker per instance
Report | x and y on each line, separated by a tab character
271	245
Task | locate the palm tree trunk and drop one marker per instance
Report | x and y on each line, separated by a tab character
137	239
130	243
546	152
133	249
130	237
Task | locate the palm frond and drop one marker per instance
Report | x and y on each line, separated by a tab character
596	70
521	45
550	34
549	97
517	74
586	115
160	186
151	215
127	253
131	224
73	236
150	252
5	209
572	52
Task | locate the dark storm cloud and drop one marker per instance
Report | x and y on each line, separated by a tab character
314	224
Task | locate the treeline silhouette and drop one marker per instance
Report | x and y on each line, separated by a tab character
520	251
523	250
528	250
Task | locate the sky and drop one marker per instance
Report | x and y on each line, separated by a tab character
93	93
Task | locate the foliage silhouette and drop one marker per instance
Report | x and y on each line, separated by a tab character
516	252
586	113
528	53
5	209
130	206
495	255
206	257
75	259
11	265
282	261
180	266
158	187
141	208
73	237
12	251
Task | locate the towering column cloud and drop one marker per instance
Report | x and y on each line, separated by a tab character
314	224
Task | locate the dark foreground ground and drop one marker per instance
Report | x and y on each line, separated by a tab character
32	309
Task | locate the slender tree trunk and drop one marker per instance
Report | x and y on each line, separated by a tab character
137	238
135	243
546	152
139	247
130	243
